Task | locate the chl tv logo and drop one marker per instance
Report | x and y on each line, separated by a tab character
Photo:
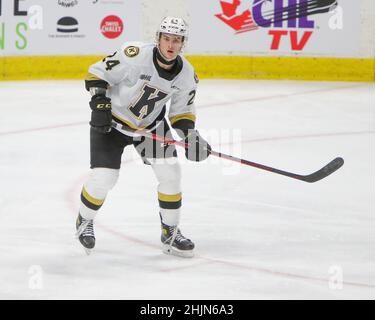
241	22
273	13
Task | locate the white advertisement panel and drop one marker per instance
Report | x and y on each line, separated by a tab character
67	27
275	27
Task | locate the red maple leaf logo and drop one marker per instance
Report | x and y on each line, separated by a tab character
241	22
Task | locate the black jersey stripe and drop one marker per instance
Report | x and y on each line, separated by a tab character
170	205
170	201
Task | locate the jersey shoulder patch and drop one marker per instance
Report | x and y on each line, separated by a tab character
131	51
196	78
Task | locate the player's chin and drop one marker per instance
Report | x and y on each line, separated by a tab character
171	56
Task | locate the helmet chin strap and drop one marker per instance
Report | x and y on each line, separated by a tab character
162	59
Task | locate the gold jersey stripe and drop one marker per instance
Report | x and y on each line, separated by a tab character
188	116
91	199
131	125
91	77
169	197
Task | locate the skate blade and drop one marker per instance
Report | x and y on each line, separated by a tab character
88	251
167	249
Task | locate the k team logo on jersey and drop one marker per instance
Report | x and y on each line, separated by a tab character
146	102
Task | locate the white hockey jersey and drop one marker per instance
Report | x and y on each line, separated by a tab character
139	88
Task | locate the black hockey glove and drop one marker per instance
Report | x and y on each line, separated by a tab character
101	116
199	149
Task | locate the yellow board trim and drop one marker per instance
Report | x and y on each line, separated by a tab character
46	67
170	197
91	199
188	116
207	67
284	68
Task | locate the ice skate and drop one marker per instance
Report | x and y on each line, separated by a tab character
85	233
174	243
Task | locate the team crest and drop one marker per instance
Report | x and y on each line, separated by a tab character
131	51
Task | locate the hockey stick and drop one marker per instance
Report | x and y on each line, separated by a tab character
322	173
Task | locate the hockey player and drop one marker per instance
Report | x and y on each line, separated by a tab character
132	87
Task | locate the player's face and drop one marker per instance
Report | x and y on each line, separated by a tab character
170	45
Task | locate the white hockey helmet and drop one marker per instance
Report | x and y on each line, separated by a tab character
173	25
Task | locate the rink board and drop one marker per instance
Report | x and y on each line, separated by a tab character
220	67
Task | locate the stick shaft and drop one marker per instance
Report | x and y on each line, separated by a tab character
316	176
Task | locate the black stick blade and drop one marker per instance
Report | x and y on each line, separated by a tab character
330	168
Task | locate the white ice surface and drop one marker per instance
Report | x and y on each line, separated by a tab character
258	235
